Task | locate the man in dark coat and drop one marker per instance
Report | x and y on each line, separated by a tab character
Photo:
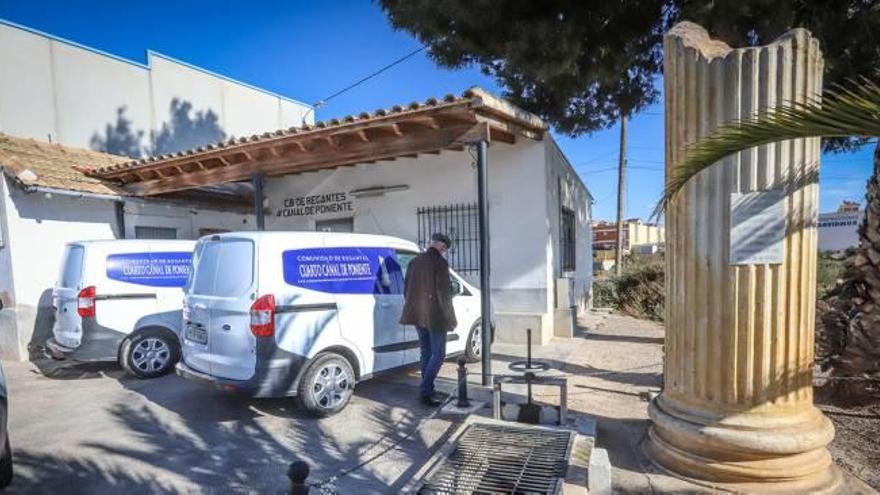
428	306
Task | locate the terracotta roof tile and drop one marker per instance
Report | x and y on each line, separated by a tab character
37	163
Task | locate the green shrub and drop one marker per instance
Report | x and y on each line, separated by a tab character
638	291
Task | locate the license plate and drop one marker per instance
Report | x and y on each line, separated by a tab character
196	334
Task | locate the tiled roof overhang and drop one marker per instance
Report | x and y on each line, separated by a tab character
429	127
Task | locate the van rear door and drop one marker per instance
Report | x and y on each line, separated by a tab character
67	329
219	301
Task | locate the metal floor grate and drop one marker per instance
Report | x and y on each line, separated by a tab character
503	459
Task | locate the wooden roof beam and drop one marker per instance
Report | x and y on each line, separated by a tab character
378	149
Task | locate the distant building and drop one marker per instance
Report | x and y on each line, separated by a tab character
635	233
638	237
840	230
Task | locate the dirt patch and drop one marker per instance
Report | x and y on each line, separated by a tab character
856	448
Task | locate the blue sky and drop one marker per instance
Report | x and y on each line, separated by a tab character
308	50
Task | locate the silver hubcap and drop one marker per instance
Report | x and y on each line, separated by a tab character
331	386
150	355
476	342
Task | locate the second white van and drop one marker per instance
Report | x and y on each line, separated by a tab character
306	314
121	300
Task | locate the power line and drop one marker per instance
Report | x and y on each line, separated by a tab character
323	101
367	78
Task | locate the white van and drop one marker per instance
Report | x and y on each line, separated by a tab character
121	300
306	314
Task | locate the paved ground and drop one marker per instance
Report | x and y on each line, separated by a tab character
90	429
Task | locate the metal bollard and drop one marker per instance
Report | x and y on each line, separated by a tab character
462	385
297	474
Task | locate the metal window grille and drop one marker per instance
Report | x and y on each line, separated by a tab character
566	239
144	232
461	223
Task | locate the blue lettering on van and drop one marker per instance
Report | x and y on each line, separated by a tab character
344	270
170	269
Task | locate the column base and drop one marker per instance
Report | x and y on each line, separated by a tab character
748	452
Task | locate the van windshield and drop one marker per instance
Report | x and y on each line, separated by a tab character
223	268
71	267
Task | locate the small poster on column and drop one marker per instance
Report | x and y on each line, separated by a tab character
757	227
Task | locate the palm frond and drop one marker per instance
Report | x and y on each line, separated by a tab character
851	110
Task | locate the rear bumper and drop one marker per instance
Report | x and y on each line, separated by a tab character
277	379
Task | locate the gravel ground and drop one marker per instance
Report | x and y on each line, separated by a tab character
856	446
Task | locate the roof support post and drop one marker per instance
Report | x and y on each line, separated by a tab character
257	180
485	288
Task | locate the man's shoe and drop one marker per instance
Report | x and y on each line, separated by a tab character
430	401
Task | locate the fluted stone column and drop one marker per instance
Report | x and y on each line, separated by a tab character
737	404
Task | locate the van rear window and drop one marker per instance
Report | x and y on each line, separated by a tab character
344	270
155	269
223	268
71	267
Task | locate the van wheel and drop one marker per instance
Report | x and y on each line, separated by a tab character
327	385
149	353
6	466
473	349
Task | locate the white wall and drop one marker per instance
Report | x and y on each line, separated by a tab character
187	221
53	87
562	179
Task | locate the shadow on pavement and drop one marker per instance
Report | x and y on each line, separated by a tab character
72	370
218	442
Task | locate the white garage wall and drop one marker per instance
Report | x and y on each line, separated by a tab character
54	89
27	103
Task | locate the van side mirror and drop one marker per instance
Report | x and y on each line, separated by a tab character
456	289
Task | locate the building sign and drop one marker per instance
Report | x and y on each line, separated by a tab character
344	270
170	269
316	204
757	227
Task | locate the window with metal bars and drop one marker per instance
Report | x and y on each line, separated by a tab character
461	223
566	239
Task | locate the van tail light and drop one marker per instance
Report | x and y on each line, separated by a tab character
85	302
263	316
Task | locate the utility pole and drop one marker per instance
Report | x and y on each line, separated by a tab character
621	196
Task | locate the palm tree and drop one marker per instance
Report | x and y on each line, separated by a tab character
845	111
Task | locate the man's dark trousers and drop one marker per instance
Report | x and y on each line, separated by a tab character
433	346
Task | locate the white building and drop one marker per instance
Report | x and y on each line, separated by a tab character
61	92
405	171
840	230
334	176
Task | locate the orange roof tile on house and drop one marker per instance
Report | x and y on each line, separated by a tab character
33	163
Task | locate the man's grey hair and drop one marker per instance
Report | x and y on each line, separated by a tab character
438	237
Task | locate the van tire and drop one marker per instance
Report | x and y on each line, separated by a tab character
471	355
6	466
161	339
306	391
